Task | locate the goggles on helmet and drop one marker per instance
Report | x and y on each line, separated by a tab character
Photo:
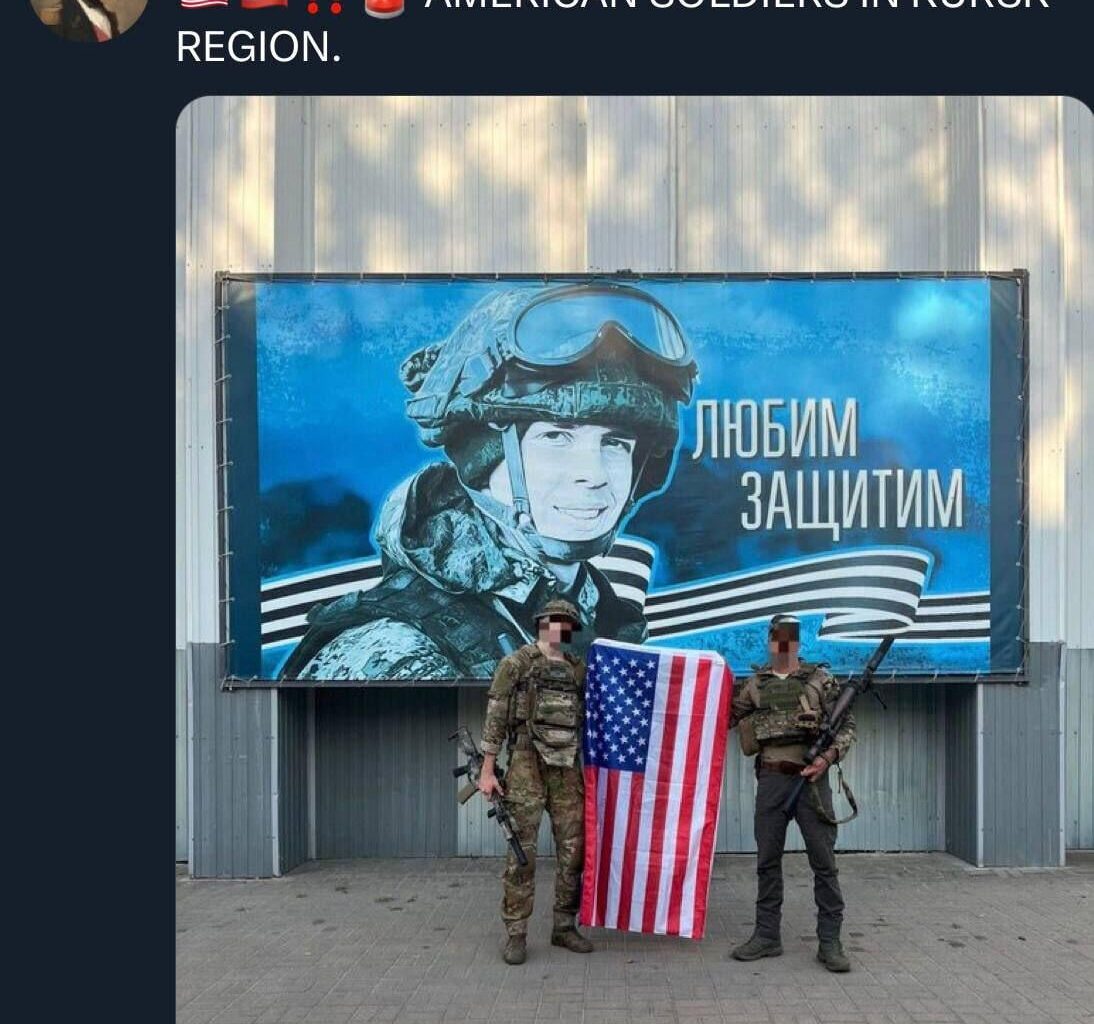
565	324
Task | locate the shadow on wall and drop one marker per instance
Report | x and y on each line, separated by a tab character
537	184
433	184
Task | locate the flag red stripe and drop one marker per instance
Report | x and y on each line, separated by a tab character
606	845
661	797
714	791
687	794
588	878
630	849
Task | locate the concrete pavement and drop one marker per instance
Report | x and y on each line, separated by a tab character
931	940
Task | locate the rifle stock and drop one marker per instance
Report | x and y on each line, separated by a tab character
498	809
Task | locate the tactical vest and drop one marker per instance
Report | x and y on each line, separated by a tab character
471	634
548	704
788	710
467	630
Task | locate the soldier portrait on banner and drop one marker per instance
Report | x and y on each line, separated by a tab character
680	458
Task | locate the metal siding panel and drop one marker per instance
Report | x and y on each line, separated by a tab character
227	147
768	183
1077	149
294	181
259	781
231	820
961	777
1021	766
202	773
898	795
1080	749
735	828
225	174
410	184
209	150
384	772
961	206
183	590
293	778
1021	136
182	794
630	194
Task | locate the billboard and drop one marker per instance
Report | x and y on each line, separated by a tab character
412	465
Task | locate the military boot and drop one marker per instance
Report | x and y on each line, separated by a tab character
757	947
565	934
516	949
830	953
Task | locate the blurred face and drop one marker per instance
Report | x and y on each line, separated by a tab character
579	477
783	640
554	630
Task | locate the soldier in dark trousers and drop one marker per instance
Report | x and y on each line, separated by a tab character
777	712
537	705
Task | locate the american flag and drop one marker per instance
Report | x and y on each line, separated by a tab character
655	743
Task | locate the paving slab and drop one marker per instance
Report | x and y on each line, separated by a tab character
931	941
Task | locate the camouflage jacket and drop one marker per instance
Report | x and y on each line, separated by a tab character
820	691
454	598
507	704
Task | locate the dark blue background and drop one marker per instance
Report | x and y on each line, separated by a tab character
90	221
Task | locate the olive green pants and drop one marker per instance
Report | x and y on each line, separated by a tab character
532	786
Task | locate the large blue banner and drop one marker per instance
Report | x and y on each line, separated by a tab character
416	465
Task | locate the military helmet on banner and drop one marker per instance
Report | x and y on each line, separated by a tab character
578	353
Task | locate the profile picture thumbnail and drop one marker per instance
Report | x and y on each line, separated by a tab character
88	21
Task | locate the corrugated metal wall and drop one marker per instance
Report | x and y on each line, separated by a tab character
293	788
448	184
899	789
233	774
224	178
733	184
961	804
810	183
1079	764
1077	145
1021	766
384	773
182	760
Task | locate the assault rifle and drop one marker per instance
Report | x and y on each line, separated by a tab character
833	721
498	811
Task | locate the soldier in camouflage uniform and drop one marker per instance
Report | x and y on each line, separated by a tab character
537	704
557	410
777	712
